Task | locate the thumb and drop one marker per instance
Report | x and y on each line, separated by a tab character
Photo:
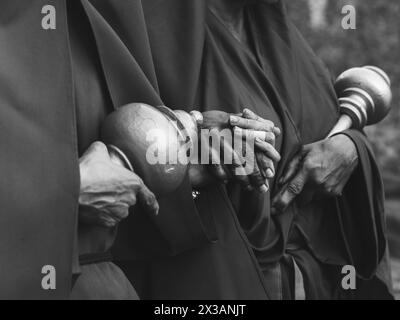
148	200
291	168
290	191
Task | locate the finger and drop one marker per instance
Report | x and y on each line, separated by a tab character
277	131
256	177
266	165
219	172
214	161
251	124
248	114
236	168
247	134
268	150
290	192
215	119
148	200
216	167
291	169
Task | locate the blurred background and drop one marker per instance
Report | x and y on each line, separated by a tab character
375	41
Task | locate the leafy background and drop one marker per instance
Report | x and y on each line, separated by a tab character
375	41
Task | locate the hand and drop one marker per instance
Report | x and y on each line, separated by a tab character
108	190
322	167
251	127
217	125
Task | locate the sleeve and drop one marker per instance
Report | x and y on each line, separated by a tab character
362	210
181	225
182	222
38	166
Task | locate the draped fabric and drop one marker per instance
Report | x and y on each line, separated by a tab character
39	182
187	55
198	62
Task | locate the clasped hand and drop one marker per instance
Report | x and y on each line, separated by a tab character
248	128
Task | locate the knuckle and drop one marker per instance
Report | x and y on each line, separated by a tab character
132	199
123	214
98	145
151	199
269	125
248	112
267	162
273	138
270	137
139	180
309	164
294	187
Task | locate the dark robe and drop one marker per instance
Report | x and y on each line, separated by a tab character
39	184
226	244
199	61
96	276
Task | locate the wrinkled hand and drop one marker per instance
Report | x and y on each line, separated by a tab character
323	167
263	132
108	190
246	126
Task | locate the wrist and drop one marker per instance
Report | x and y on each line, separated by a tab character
348	146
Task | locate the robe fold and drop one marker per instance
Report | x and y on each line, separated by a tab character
226	244
39	182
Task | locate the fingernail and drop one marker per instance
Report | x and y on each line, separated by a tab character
264	189
270	173
234	119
